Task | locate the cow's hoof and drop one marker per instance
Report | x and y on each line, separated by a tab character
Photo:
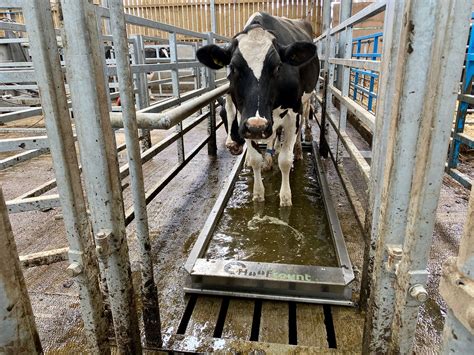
258	197
285	201
234	148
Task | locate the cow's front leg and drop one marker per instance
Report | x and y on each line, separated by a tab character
269	153
285	158
255	161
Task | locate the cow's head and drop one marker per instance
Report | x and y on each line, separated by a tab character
256	65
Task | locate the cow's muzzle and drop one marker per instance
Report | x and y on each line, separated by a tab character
257	128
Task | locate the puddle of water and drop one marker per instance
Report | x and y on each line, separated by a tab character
266	232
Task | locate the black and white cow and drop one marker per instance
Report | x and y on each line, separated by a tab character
271	65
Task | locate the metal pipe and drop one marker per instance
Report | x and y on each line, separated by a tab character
151	313
100	164
44	50
18	332
168	119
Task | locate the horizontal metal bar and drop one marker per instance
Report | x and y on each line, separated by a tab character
367	118
21	157
144	68
12	26
139	21
364	90
360	161
466	98
373	65
17	76
44	257
365	72
465	139
368	37
170	118
11	4
260	296
24	143
322	36
366	55
33	203
462	178
19	87
370	11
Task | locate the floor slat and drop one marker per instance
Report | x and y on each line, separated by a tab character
204	317
311	330
274	322
238	322
349	328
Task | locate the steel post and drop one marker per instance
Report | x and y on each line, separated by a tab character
211	123
44	51
344	13
213	16
100	164
141	80
385	104
176	93
431	53
18	332
151	314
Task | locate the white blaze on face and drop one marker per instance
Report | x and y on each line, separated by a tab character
254	47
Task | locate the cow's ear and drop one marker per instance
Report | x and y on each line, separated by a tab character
297	53
213	56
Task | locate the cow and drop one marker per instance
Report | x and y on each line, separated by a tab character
272	66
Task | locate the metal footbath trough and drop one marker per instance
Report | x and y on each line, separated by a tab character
274	281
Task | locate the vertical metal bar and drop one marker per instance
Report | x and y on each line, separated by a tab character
18	333
104	59
213	16
344	13
45	54
371	85
143	100
211	127
346	52
356	75
100	164
431	53
151	313
176	93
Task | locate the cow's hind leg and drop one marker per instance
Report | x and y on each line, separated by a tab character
255	161
285	158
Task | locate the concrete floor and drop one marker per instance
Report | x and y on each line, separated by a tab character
176	217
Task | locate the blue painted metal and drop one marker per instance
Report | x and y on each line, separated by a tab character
372	38
459	138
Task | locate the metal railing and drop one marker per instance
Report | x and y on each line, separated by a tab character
104	228
365	47
465	101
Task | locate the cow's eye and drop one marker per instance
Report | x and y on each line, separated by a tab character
276	70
